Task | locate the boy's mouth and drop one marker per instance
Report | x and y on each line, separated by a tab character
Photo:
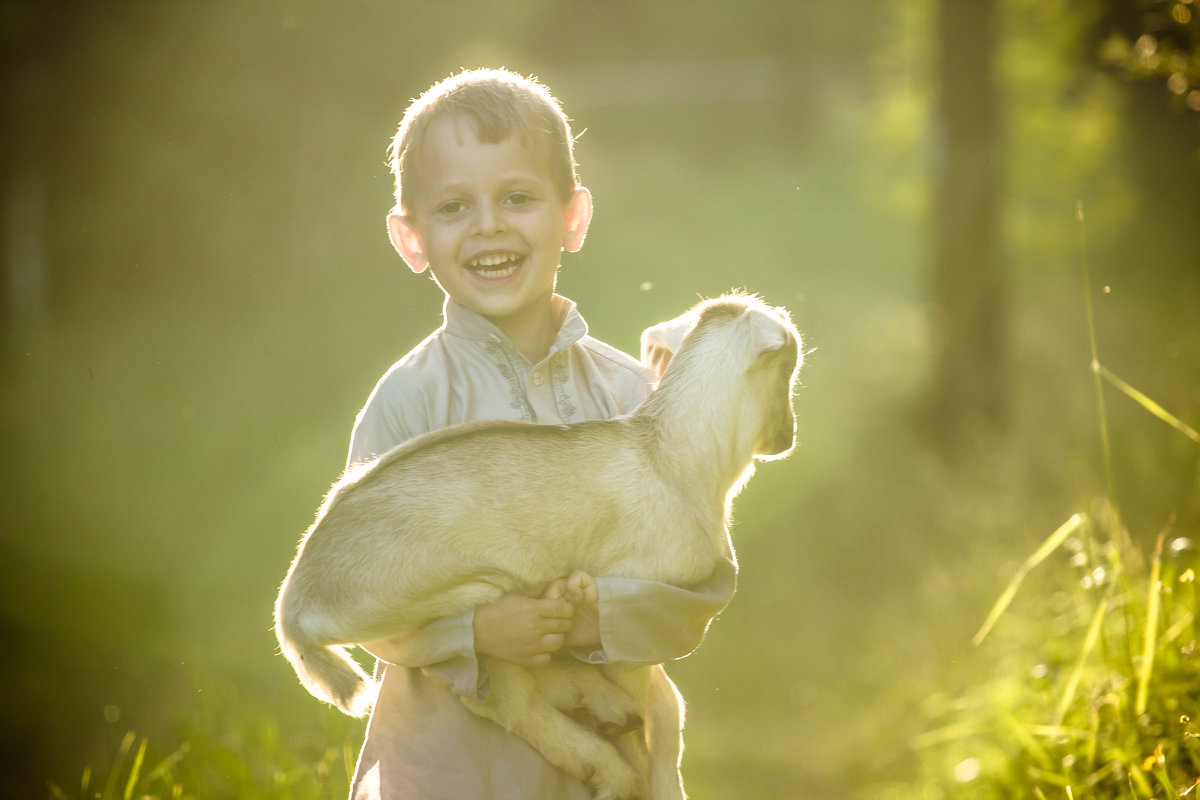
495	266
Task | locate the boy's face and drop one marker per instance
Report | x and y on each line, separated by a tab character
488	222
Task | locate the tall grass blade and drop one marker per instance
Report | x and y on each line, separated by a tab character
1091	325
110	785
949	733
1182	624
1138	785
1093	740
168	764
1089	644
1052	543
1148	404
1058	732
349	759
1031	744
1150	644
135	770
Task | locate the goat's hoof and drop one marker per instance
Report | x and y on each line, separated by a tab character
628	786
611	730
604	794
608	728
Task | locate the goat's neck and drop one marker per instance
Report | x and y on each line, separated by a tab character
701	444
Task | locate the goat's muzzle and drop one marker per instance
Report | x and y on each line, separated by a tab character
784	440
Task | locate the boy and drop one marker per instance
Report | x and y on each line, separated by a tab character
487	199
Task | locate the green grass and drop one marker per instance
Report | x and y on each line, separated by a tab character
241	751
1097	681
263	767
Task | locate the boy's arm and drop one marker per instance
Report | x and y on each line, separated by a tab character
516	628
442	639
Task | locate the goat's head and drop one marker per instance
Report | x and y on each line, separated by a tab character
760	349
771	378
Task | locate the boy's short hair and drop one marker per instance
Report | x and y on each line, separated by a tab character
500	103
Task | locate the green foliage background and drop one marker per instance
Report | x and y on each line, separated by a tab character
221	297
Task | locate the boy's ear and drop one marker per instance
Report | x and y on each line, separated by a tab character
579	216
407	241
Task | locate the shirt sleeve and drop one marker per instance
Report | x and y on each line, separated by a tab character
445	649
646	622
390	417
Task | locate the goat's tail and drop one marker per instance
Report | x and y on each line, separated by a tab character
327	671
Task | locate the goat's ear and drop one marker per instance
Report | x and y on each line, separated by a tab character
767	332
661	342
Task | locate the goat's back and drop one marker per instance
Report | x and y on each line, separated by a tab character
577	495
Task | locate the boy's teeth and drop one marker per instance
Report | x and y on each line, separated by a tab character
497	266
498	273
492	261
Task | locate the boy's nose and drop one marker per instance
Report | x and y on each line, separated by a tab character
489	220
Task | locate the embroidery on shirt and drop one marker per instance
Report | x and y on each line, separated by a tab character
566	409
517	400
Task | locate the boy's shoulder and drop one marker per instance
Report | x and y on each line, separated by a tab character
399	406
600	352
627	379
416	367
614	357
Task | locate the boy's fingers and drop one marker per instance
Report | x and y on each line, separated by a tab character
557	609
539	624
534	591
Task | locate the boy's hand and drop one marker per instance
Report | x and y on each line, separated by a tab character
580	590
523	630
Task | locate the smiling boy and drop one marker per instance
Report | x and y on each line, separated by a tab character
487	199
491	225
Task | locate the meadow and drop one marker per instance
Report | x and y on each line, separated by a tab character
222	298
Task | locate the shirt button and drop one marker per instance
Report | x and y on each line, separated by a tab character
538	380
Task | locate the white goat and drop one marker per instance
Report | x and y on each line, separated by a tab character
424	533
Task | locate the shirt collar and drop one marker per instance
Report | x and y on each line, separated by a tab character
461	321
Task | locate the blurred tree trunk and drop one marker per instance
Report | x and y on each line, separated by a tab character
969	299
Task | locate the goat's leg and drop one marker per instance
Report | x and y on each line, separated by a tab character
584	693
632	747
516	704
664	736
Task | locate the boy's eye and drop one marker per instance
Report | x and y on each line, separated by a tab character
517	199
451	207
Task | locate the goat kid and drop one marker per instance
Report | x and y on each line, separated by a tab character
423	532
